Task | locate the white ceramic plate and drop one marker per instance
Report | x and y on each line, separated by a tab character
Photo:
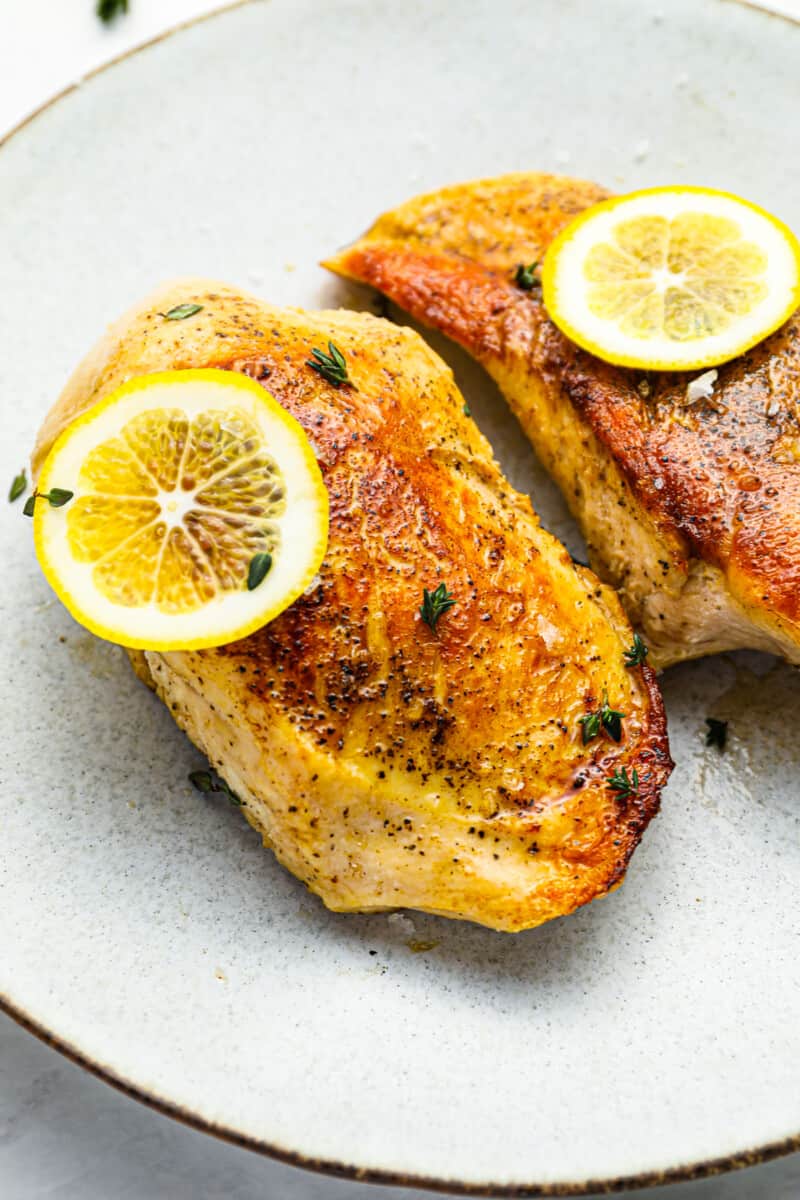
143	929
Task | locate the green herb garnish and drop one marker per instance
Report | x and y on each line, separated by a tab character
56	498
622	785
435	604
467	411
604	717
526	277
717	734
108	9
181	311
259	569
332	367
635	656
206	783
18	486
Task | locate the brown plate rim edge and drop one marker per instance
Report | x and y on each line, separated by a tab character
681	1174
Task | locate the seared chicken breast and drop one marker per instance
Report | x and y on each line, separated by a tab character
387	763
690	509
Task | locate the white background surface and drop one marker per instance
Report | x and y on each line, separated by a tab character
63	1134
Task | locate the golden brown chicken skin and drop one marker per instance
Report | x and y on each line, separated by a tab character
385	763
692	510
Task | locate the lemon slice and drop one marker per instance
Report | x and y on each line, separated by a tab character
198	512
672	278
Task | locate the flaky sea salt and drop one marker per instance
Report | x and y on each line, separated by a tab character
702	388
402	923
549	633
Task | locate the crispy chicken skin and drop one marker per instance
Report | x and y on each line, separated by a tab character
691	511
387	765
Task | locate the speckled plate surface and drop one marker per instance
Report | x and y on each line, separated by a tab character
142	927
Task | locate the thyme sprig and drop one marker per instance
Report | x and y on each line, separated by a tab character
332	366
56	498
606	718
623	784
526	277
637	653
206	782
435	604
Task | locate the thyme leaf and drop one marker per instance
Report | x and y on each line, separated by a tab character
18	486
259	569
57	497
107	10
591	726
181	311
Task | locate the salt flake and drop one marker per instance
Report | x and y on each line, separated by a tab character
702	388
549	633
402	923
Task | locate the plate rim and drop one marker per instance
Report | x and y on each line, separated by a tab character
683	1173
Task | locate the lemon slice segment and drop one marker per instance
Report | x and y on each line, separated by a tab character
180	481
672	278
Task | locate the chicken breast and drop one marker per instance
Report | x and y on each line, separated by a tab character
385	763
690	509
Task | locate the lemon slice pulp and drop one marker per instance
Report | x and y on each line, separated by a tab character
672	278
181	480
